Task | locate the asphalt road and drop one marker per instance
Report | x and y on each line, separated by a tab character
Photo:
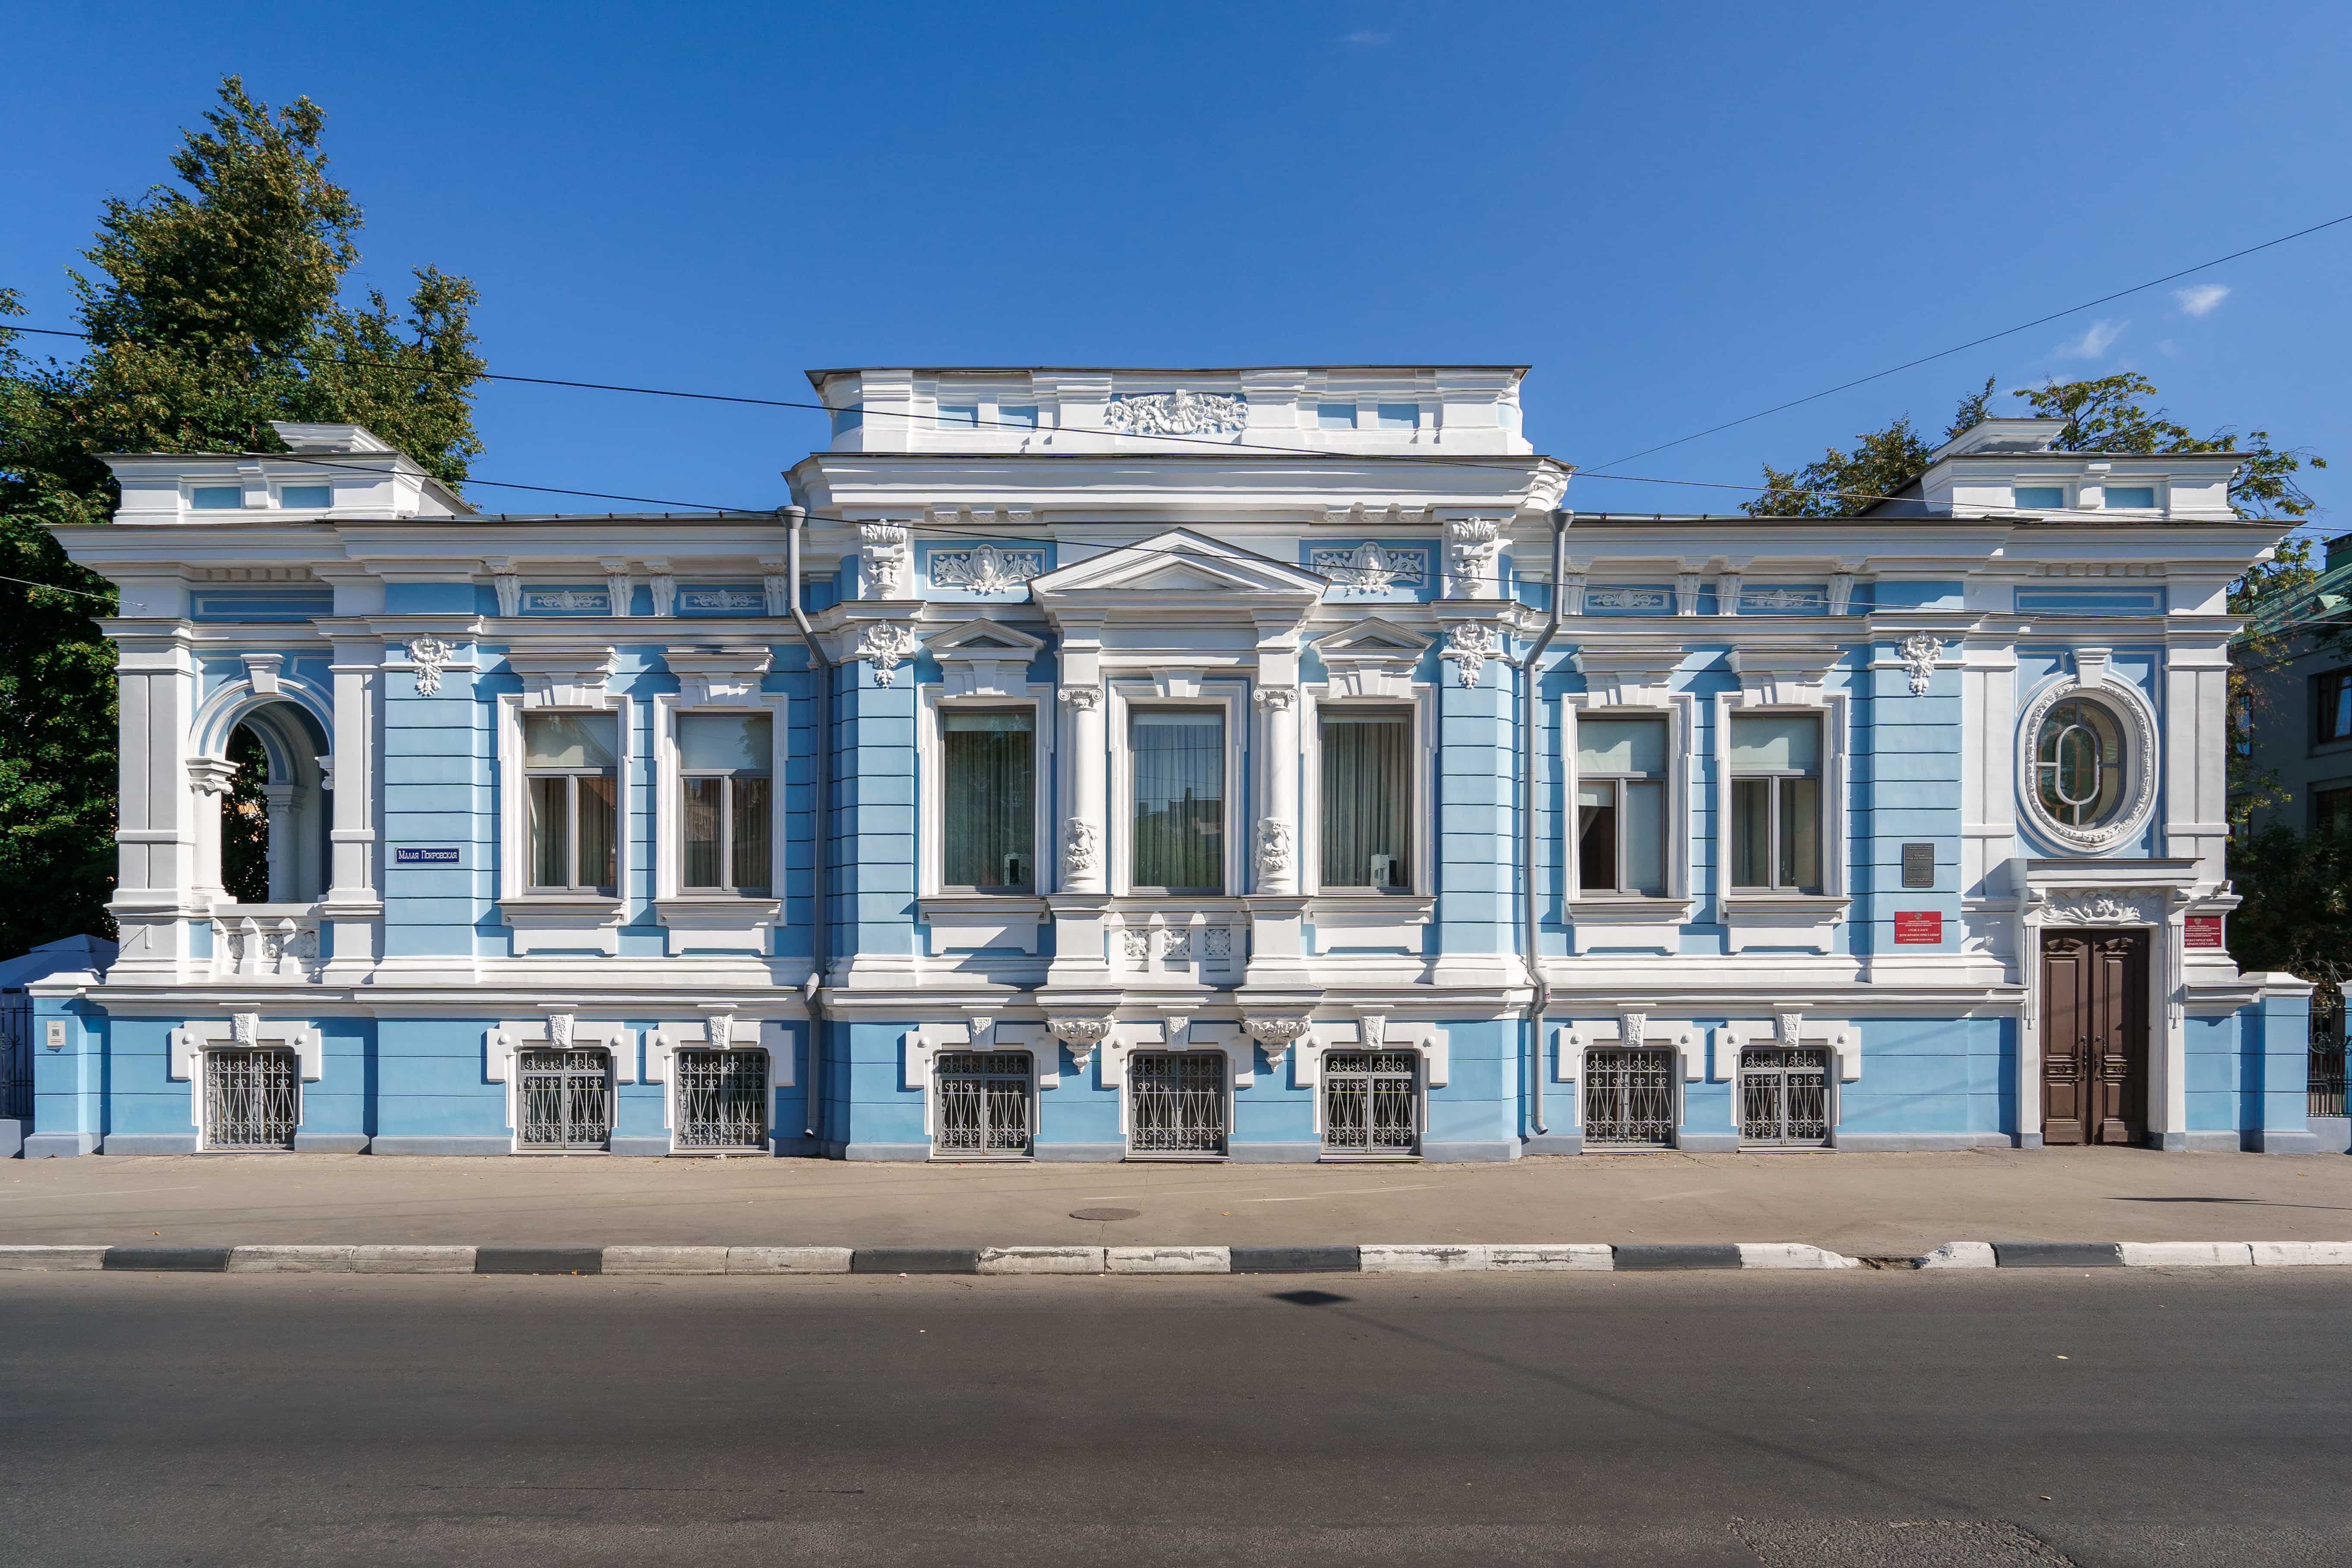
1865	1417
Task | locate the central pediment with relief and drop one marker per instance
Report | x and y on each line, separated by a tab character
1178	573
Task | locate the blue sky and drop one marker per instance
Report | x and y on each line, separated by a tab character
1678	215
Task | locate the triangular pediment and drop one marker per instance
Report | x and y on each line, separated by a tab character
982	639
1177	565
1371	637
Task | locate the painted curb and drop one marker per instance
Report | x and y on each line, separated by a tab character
1382	1258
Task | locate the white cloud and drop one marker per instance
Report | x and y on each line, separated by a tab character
1370	39
2095	341
2200	299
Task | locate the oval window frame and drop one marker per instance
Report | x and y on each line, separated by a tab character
2136	720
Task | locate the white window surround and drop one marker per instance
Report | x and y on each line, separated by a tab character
721	1032
1176	1033
557	1031
1806	920
1369	918
1570	1041
561	680
1176	688
1633	921
919	1051
1371	1032
2094	679
717	681
967	920
239	1032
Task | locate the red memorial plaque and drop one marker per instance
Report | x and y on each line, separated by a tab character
1919	925
2204	930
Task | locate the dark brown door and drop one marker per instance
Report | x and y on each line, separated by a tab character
2094	1036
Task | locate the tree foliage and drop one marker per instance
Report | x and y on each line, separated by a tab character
1840	484
2297	913
211	306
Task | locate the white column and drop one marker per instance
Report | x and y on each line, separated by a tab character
1084	843
210	779
1278	826
358	674
284	853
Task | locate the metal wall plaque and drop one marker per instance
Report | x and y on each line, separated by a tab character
1918	865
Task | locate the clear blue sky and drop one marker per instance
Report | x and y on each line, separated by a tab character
1678	215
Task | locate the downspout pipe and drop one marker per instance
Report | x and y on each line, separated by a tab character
821	820
1531	710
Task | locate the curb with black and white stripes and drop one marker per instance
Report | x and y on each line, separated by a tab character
1441	1258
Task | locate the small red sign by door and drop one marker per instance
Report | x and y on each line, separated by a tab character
1919	925
2204	930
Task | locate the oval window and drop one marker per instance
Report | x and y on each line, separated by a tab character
2078	764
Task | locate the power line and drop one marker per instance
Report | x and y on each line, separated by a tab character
1978	342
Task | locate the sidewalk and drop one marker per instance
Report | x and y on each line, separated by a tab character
1860	1204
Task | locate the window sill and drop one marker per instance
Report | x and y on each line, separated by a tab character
1620	921
1347	909
975	923
719	922
1807	921
561	922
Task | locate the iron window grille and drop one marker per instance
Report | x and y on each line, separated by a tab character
1784	1095
253	1099
1629	1097
1371	1102
1176	1103
724	795
722	1099
567	1099
984	1104
16	1055
2326	1082
571	766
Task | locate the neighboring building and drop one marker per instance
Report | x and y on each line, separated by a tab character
1165	792
2299	687
71	954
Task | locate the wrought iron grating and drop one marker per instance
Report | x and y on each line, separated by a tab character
1784	1094
2326	1093
567	1099
252	1100
722	1099
1629	1096
1177	1102
984	1107
1371	1102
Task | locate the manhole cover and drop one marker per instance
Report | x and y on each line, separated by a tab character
1105	1214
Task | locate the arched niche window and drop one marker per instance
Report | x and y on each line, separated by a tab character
276	812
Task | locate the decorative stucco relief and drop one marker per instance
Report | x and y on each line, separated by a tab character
1177	412
882	550
1919	652
985	569
887	644
428	654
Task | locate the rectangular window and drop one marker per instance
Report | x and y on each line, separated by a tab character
572	763
252	1100
2334	691
1629	1096
2331	810
566	1099
1335	416
1621	806
726	802
988	766
965	416
306	496
1371	1102
1176	1103
1022	413
1400	415
722	1099
2139	497
2041	497
216	498
983	1105
1776	803
1784	1094
1367	800
1179	755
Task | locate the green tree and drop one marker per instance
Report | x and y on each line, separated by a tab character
213	306
1840	484
2297	913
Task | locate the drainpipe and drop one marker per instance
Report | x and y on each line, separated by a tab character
1530	708
820	924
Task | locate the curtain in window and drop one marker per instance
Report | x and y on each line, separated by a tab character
1180	799
597	821
551	832
750	829
991	820
701	813
1367	800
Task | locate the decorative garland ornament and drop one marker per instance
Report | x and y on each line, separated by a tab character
887	644
428	654
1919	652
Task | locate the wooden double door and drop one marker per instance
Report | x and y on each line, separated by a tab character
2094	1036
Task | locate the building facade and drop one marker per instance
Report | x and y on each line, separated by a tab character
2299	681
1254	765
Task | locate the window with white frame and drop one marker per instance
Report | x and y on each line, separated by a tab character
1367	774
1775	802
2040	498
1178	840
726	802
2079	763
988	768
1621	804
570	767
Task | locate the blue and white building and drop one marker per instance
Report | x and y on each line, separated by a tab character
1246	765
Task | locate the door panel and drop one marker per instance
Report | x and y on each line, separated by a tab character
2094	1038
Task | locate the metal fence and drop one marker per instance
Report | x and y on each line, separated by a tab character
2326	1090
253	1099
16	1055
1784	1094
983	1103
1629	1097
1177	1102
1369	1103
567	1099
722	1099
